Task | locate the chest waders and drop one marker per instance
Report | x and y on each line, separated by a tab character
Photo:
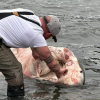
9	65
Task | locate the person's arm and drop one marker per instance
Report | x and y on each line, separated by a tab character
46	55
35	54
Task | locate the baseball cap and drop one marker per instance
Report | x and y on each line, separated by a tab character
54	26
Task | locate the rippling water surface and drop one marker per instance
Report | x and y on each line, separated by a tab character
80	20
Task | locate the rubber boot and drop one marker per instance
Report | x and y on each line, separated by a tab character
14	91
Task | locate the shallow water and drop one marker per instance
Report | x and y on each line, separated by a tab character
80	20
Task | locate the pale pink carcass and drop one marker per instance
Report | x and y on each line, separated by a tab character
38	69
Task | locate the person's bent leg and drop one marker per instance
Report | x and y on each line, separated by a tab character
12	70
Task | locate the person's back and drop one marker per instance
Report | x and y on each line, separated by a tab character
18	32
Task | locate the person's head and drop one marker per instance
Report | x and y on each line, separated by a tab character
51	26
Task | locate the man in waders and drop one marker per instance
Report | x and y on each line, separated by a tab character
20	28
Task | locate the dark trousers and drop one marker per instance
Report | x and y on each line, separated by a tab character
10	67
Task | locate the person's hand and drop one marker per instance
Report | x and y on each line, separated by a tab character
62	71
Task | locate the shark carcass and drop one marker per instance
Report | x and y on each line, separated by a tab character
39	70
